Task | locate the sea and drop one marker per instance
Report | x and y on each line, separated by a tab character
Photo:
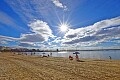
100	54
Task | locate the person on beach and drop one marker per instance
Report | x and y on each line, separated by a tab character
77	58
48	55
34	53
70	57
110	57
51	54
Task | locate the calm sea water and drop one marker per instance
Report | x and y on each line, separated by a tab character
115	54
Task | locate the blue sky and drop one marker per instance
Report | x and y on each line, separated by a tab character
37	23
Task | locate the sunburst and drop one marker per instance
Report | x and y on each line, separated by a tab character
63	27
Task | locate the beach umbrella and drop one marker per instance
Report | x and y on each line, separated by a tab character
76	53
77	58
43	53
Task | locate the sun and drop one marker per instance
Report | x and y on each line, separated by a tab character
63	27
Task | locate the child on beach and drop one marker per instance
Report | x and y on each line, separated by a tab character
70	57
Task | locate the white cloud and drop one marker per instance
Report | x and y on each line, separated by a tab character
59	4
6	38
22	8
41	28
115	41
32	44
57	40
97	33
40	33
24	44
31	38
28	10
3	42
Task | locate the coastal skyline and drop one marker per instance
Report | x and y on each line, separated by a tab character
60	23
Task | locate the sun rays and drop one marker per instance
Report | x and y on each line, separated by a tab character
63	27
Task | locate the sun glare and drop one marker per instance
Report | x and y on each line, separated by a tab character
63	27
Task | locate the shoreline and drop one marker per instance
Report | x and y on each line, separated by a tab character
109	57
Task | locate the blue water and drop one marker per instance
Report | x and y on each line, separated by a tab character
115	54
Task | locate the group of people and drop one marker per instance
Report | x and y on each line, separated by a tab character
32	53
76	57
49	55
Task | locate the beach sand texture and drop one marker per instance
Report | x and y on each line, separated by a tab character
23	67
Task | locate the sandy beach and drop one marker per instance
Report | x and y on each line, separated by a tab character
23	67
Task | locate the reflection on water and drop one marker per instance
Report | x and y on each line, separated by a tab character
115	54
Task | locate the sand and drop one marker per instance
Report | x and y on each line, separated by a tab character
24	67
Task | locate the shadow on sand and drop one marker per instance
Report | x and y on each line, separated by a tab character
80	61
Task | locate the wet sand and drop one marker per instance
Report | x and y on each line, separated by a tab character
24	67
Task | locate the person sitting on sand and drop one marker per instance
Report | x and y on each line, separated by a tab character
48	55
70	57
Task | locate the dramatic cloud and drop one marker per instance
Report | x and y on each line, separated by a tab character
34	45
23	8
22	44
59	4
31	38
6	38
57	40
41	33
102	31
3	42
97	33
41	28
28	10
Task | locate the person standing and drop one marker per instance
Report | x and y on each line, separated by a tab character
77	57
51	54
